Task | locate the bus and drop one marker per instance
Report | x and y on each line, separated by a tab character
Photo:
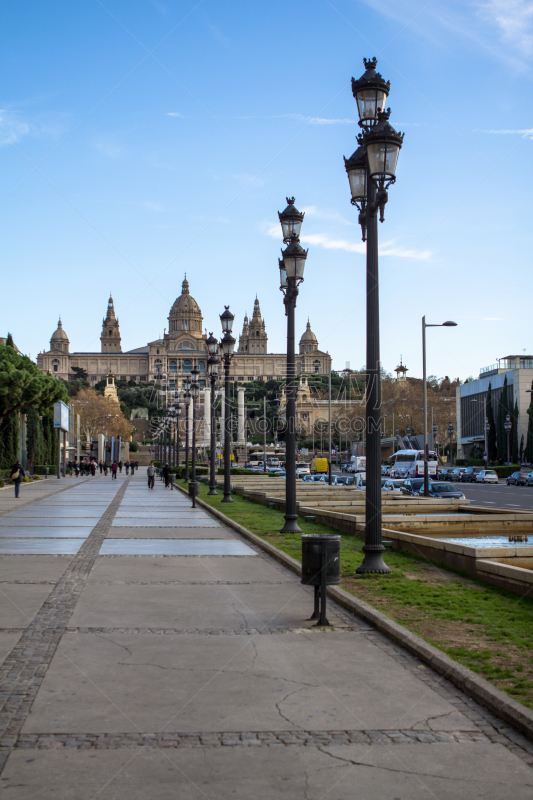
410	464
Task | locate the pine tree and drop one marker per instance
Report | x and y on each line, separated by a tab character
501	434
514	434
491	436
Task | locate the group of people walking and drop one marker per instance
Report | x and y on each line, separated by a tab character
166	474
89	467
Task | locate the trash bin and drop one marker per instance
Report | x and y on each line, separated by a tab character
321	568
193	489
312	546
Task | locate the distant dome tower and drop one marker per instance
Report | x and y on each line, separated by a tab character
110	338
185	315
59	340
253	338
401	371
308	342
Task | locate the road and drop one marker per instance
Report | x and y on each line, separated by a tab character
499	495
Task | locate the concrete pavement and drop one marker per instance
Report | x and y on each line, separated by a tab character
151	652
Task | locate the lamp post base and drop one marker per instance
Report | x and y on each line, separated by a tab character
291	524
227	499
373	561
212	491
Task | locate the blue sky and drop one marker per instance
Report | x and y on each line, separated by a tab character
141	140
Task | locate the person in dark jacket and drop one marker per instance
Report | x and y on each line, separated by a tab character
166	475
17	474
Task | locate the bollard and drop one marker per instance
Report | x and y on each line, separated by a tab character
320	568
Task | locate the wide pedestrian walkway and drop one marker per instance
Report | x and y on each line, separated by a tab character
151	652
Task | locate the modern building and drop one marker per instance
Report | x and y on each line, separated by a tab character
170	358
471	399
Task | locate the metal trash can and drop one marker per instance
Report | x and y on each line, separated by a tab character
193	489
321	567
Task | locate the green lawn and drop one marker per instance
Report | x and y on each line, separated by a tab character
485	628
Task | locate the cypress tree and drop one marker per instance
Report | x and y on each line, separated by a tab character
529	441
514	434
501	435
9	341
491	436
522	448
9	440
34	437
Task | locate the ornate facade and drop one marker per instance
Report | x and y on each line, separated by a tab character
169	359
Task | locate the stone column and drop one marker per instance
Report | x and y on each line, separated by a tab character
240	418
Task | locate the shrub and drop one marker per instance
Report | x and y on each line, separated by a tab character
180	471
1	483
36	477
239	471
40	469
27	479
504	472
134	447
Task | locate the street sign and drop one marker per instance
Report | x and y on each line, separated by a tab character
61	416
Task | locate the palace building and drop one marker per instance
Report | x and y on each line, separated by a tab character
169	359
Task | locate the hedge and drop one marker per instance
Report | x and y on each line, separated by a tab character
180	471
40	469
237	471
504	472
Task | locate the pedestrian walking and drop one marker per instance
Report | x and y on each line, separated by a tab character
77	469
166	475
17	474
101	465
114	468
93	468
127	466
132	466
151	475
106	467
120	465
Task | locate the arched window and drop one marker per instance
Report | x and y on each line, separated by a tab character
111	333
201	366
187	366
173	367
316	365
257	333
157	351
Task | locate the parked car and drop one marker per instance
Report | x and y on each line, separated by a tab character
455	474
412	486
444	474
303	469
343	480
345	465
447	491
384	470
392	485
470	473
529	479
518	479
487	476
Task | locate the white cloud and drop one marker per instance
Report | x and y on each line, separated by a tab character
319	213
318	120
13	129
331	243
174	114
527	133
514	19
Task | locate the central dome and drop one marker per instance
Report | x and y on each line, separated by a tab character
185	314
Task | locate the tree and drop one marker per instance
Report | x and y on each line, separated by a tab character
522	448
529	441
501	434
491	435
99	414
514	434
81	374
9	440
9	341
22	384
35	443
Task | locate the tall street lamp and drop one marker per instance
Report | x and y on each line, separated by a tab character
212	367
425	325
508	425
195	393
450	434
291	273
227	345
187	401
371	170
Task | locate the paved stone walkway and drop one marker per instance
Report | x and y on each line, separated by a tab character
150	652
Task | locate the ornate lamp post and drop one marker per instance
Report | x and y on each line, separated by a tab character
212	366
291	268
371	170
227	345
425	325
450	434
195	394
508	425
187	400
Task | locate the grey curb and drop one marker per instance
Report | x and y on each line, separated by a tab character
507	709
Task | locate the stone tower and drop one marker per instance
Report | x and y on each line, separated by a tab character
110	337
253	338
